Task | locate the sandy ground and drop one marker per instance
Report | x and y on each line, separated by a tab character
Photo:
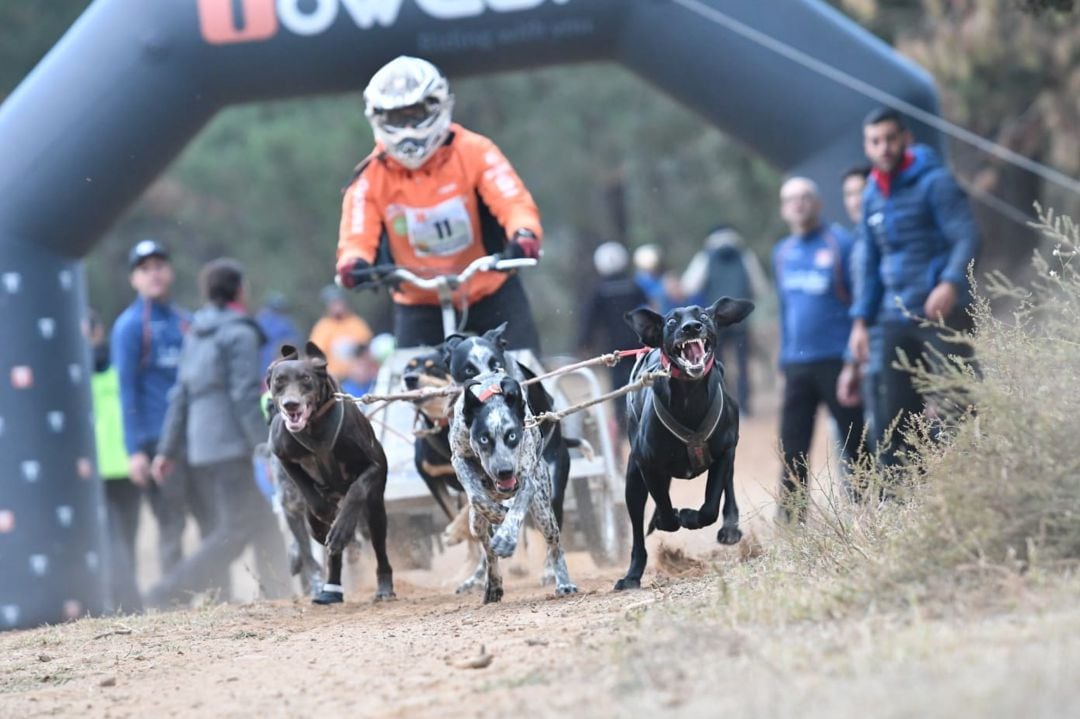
663	649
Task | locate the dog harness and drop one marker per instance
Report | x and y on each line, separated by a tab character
323	448
696	441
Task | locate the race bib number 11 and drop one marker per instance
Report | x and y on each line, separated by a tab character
444	229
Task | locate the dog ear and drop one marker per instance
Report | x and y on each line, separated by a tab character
511	391
727	311
313	353
472	402
648	325
495	336
287	352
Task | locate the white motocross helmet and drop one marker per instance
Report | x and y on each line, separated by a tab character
408	103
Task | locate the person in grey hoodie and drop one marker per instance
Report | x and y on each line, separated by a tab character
214	422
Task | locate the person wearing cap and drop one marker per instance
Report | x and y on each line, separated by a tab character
436	196
145	351
602	328
339	331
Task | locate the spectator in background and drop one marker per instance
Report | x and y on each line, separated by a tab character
215	422
339	331
276	325
813	283
859	382
362	371
919	238
145	350
122	496
726	267
660	286
602	328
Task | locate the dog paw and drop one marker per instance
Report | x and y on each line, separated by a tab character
729	535
689	518
325	597
503	544
493	594
467	586
668	522
627	583
565	590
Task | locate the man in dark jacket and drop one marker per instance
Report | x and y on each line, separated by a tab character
725	266
215	422
602	327
920	238
813	282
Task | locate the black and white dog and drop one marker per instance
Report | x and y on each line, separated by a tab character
470	357
498	461
681	426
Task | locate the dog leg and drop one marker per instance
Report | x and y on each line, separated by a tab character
331	592
710	508
664	516
729	533
375	513
544	517
458	530
478	575
506	536
493	590
636	495
559	471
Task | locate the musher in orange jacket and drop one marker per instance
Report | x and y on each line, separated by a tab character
436	196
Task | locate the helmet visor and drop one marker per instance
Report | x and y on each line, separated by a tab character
421	114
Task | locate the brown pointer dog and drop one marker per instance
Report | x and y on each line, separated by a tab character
681	426
328	449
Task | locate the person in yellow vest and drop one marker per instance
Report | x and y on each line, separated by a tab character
122	497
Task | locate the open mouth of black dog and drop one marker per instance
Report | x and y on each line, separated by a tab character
296	418
693	355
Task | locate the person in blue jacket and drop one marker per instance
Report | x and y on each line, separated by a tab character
813	282
145	351
274	321
920	239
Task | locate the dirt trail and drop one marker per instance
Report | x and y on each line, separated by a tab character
398	658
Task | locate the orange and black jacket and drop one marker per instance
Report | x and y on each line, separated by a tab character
462	204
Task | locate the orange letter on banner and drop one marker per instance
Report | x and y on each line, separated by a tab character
220	26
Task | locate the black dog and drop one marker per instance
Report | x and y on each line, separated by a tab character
328	449
432	443
681	426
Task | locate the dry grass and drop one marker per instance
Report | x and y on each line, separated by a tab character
987	511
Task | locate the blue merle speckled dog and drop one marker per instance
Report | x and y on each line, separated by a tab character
498	461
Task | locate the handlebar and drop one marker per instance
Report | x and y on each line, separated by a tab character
389	274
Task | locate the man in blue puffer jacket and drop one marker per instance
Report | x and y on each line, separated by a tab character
920	238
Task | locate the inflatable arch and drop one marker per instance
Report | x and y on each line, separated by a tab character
133	81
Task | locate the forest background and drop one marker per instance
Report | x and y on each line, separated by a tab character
606	156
